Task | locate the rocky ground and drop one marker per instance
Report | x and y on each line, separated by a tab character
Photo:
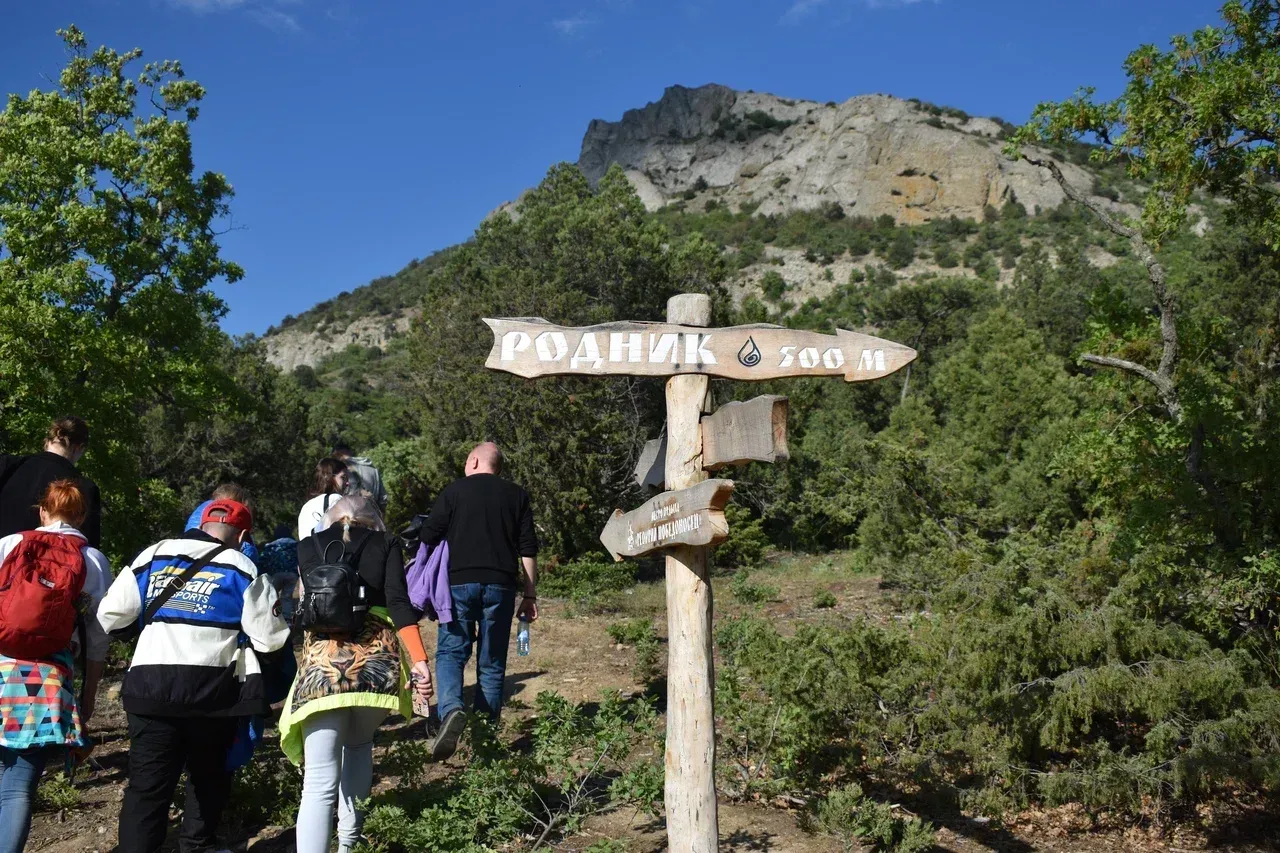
573	655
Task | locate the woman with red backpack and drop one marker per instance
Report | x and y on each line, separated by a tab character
51	581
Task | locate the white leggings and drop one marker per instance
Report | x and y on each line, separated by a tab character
338	768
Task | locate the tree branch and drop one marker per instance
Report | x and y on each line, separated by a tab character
1162	377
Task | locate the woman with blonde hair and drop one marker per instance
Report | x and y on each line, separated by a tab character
354	601
51	581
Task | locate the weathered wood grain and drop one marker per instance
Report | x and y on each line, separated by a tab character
751	431
532	347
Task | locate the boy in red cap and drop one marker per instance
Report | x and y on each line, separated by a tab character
190	679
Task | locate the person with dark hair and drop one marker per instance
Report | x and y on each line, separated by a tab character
493	549
40	713
363	477
205	615
328	484
23	480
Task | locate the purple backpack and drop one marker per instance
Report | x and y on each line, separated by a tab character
427	577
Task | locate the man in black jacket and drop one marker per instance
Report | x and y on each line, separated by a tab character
488	523
23	480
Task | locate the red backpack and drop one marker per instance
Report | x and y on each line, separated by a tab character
40	583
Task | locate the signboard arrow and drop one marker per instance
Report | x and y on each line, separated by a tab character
531	347
692	516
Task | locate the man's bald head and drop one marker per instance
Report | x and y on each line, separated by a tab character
486	458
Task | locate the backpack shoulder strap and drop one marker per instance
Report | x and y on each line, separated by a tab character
172	588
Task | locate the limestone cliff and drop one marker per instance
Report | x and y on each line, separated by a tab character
873	154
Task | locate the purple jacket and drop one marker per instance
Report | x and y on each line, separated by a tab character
427	577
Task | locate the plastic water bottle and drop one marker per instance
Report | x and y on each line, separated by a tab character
522	638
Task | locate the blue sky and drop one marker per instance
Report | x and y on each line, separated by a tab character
360	135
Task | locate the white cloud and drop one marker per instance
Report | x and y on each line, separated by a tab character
274	19
207	5
265	12
571	26
801	9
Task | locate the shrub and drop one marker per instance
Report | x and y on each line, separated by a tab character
747	540
57	793
773	285
579	763
859	243
824	599
591	574
606	845
856	819
747	592
945	256
266	791
631	632
640	634
902	251
700	185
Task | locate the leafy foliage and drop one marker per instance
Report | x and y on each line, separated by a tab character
576	256
108	244
854	818
580	763
1201	115
591	574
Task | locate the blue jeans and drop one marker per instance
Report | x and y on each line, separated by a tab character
19	776
482	612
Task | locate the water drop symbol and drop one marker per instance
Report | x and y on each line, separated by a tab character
749	355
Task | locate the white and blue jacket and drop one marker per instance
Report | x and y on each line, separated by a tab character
191	659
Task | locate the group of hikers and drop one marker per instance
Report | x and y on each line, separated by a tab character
325	625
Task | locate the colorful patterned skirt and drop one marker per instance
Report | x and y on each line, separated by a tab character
38	704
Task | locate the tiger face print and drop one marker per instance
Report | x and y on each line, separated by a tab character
332	665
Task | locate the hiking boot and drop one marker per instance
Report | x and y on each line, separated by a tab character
446	742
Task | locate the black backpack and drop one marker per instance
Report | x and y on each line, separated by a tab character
334	599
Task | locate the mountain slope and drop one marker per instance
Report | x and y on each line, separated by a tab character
873	156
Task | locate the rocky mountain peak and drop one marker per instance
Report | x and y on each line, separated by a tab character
872	155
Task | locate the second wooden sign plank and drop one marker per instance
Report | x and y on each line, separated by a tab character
692	516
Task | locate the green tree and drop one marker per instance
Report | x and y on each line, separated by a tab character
773	285
108	244
1202	115
902	249
574	256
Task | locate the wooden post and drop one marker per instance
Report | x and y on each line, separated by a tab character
692	821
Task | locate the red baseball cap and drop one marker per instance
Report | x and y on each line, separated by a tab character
230	512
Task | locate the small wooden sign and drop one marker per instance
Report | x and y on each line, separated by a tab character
531	347
750	431
692	516
651	468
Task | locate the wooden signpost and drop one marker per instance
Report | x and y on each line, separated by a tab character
688	519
